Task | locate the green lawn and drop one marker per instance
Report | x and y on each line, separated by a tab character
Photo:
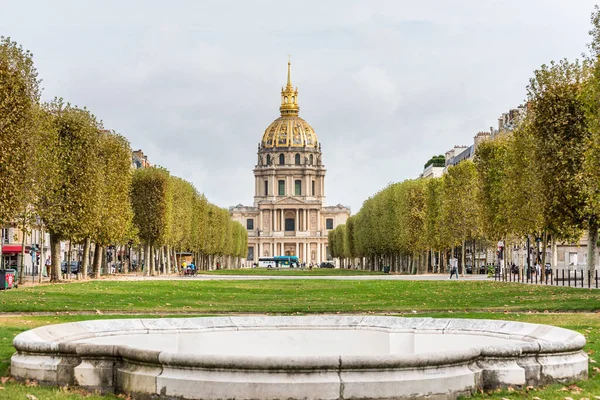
437	299
291	272
295	296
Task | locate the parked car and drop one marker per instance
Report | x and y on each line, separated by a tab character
75	266
326	265
469	269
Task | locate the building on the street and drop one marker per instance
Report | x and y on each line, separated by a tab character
508	121
433	168
289	216
14	245
139	160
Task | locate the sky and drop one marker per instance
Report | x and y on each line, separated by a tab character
385	84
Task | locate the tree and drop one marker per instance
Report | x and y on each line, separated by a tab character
590	97
151	200
69	200
115	215
558	123
460	209
19	96
19	127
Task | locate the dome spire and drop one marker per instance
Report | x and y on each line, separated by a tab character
289	95
289	81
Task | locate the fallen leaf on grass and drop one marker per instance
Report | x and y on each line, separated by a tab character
31	397
4	379
575	389
29	383
568	398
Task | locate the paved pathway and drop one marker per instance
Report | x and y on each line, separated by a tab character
392	277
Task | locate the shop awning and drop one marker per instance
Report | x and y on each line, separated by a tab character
12	248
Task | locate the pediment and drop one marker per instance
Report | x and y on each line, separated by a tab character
289	200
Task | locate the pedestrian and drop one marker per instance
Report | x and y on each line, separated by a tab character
453	267
47	264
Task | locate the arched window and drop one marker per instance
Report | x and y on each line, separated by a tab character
297	159
286	100
268	159
310	159
281	159
294	99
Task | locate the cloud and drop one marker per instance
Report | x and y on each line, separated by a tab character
386	85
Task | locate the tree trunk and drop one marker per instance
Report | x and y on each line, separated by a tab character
168	251
42	263
544	246
147	258
592	243
462	258
554	259
523	260
55	254
152	261
97	260
22	267
85	263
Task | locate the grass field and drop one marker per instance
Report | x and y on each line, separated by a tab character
295	296
578	307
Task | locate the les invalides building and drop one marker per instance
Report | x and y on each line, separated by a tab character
289	216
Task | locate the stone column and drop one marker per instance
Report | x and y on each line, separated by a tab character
322	186
306	248
258	255
306	213
319	220
260	221
273	249
281	220
297	253
318	252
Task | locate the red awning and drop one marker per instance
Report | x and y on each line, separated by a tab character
12	248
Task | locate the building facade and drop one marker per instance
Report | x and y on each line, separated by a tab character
289	216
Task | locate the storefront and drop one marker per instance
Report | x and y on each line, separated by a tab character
11	255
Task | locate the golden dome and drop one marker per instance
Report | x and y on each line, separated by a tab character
289	130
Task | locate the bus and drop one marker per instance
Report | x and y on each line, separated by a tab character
278	262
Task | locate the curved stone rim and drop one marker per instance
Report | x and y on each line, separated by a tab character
539	339
546	354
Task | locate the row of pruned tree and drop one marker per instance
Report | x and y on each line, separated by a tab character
541	180
171	215
62	172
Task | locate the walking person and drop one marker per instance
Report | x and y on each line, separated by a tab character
453	267
47	264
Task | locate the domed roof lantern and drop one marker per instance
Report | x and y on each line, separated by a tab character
289	96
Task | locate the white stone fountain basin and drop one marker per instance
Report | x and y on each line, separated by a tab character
309	357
